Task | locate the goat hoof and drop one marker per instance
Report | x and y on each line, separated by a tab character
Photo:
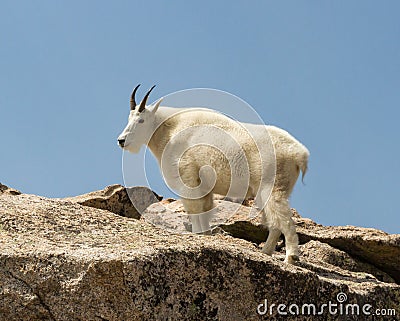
292	259
188	226
268	251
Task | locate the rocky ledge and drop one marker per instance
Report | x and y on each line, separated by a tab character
65	259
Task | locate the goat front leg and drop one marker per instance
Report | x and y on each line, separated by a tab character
199	212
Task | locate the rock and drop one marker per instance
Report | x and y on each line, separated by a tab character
377	249
60	260
119	200
364	244
369	245
8	190
327	256
170	214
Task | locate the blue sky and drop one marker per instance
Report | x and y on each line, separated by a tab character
326	71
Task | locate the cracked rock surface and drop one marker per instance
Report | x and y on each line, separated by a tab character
60	260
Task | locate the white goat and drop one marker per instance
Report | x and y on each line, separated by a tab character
202	152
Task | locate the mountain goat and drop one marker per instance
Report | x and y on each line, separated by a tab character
202	152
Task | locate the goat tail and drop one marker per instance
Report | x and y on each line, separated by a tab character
302	163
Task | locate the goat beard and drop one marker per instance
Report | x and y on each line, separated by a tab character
133	149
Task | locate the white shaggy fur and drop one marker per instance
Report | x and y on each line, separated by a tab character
202	152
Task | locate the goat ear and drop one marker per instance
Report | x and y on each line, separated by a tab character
156	105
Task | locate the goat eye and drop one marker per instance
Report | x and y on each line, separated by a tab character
141	121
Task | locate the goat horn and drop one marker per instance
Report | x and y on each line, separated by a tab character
143	103
133	101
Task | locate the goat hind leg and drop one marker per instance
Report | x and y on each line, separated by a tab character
288	228
272	240
279	218
273	232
